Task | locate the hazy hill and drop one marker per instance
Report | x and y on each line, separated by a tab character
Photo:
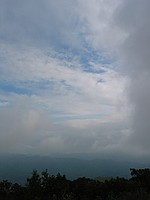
19	167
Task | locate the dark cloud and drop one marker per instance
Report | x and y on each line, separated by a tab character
133	17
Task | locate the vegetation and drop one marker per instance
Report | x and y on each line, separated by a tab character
42	186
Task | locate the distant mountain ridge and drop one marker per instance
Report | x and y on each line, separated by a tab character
19	167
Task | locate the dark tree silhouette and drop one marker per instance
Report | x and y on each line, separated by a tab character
42	186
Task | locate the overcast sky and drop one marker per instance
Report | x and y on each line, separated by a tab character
74	76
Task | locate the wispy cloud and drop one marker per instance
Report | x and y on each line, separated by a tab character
70	89
61	89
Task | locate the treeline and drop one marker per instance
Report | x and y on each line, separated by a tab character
42	186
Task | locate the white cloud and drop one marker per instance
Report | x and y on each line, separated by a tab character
66	108
68	90
99	26
55	104
26	129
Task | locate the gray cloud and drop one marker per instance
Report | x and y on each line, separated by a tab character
41	23
133	17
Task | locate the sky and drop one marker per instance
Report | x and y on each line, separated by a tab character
74	76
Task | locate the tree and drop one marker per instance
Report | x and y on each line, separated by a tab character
34	185
5	188
141	177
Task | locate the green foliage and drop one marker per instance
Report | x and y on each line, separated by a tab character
43	186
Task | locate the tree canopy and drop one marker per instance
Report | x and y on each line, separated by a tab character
43	186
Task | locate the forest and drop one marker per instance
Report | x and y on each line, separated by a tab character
43	186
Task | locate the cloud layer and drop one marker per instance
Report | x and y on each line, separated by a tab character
74	76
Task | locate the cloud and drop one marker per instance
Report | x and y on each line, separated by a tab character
133	18
98	25
26	129
46	23
60	87
69	89
89	120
